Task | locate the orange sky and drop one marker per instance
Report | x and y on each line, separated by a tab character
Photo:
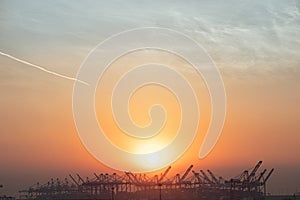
39	138
254	45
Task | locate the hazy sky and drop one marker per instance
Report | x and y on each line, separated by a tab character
254	43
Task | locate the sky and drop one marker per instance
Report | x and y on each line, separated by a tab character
255	45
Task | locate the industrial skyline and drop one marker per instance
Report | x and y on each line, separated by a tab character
189	185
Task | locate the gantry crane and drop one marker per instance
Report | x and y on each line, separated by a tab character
252	174
205	176
264	183
73	179
198	179
261	175
164	174
215	180
186	173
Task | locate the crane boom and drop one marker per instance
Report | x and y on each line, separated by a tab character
261	175
73	179
186	173
252	174
132	177
80	178
164	174
205	176
197	176
268	176
98	178
213	176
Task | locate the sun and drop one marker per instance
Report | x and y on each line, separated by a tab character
149	147
152	159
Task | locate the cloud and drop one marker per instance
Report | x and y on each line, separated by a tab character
259	36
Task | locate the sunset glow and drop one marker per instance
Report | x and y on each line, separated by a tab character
254	45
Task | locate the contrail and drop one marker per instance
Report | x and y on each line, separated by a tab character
42	68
